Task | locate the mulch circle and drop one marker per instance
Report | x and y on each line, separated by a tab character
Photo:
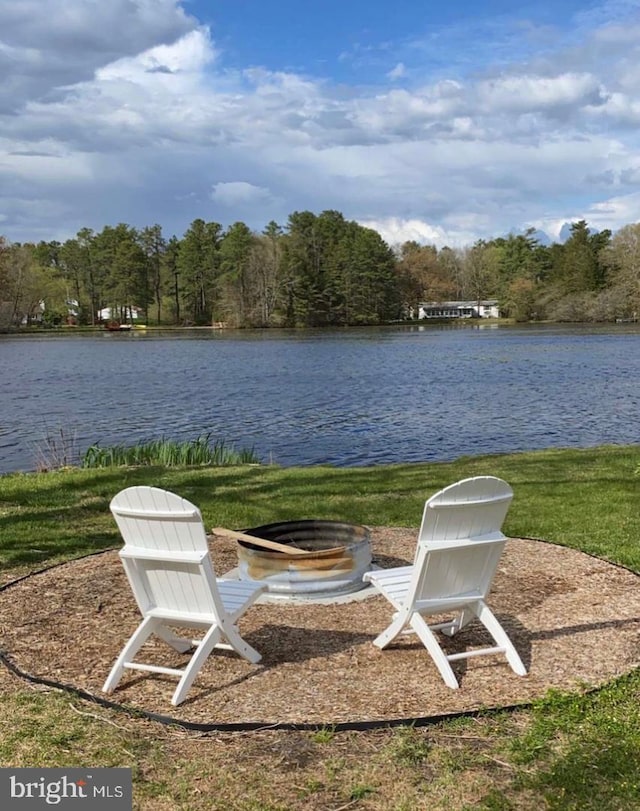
573	618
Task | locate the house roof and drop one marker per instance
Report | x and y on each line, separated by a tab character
482	303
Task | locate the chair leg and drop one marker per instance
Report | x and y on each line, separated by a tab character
148	626
394	630
176	642
240	646
208	643
464	618
430	642
212	638
488	619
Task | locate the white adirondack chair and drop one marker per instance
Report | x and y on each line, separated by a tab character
167	562
459	546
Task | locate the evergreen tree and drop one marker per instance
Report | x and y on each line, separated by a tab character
302	269
171	275
198	266
235	255
154	246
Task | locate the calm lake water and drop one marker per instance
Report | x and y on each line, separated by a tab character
349	397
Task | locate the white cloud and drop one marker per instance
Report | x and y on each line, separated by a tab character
396	231
531	93
46	168
120	126
398	72
190	54
620	109
48	45
239	193
614	212
399	113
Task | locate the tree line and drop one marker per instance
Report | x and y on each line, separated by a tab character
317	270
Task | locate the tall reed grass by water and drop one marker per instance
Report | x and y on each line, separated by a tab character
169	453
59	450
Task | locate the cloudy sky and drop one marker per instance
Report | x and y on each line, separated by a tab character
442	122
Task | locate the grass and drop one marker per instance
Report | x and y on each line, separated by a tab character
168	453
58	450
574	752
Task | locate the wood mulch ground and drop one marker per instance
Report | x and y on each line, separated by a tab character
574	619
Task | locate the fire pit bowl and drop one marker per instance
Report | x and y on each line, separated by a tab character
338	556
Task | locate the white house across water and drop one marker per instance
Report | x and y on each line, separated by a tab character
485	308
129	313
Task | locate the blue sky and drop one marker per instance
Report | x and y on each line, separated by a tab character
443	123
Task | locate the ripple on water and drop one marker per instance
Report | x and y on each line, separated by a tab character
345	398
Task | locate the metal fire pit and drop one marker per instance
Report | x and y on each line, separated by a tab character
339	555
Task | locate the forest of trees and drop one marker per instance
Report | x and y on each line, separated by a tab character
318	270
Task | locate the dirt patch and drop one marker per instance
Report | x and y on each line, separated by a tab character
574	620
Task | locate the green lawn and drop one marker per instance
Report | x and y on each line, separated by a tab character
567	752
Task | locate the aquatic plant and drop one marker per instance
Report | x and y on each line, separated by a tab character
168	453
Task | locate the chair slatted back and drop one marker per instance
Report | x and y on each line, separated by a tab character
460	541
166	554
